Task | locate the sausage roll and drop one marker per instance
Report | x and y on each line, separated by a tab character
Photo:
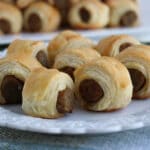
103	85
28	48
67	40
48	94
113	45
123	13
88	14
13	72
40	17
68	60
137	60
10	18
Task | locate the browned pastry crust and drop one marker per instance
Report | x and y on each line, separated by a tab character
15	68
137	60
29	49
113	45
123	13
67	40
103	85
14	71
10	18
88	14
40	17
69	60
48	94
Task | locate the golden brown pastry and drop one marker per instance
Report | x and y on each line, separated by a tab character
69	60
48	94
123	13
87	14
13	72
67	40
10	18
113	45
31	49
137	60
40	17
103	85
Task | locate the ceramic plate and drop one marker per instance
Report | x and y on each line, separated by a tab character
136	115
142	32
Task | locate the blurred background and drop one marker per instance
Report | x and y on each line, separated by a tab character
42	19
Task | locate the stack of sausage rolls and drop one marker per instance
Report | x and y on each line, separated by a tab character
50	80
49	15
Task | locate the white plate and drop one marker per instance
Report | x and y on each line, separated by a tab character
136	115
142	32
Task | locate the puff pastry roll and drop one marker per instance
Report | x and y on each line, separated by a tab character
113	45
13	73
10	18
103	85
41	17
137	60
31	49
68	60
88	14
123	13
48	94
67	40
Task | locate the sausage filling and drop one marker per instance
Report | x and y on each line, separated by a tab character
84	14
138	80
42	58
11	89
65	101
34	23
124	46
128	19
69	70
5	26
90	91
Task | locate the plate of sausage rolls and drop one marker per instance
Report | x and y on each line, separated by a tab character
73	85
43	19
